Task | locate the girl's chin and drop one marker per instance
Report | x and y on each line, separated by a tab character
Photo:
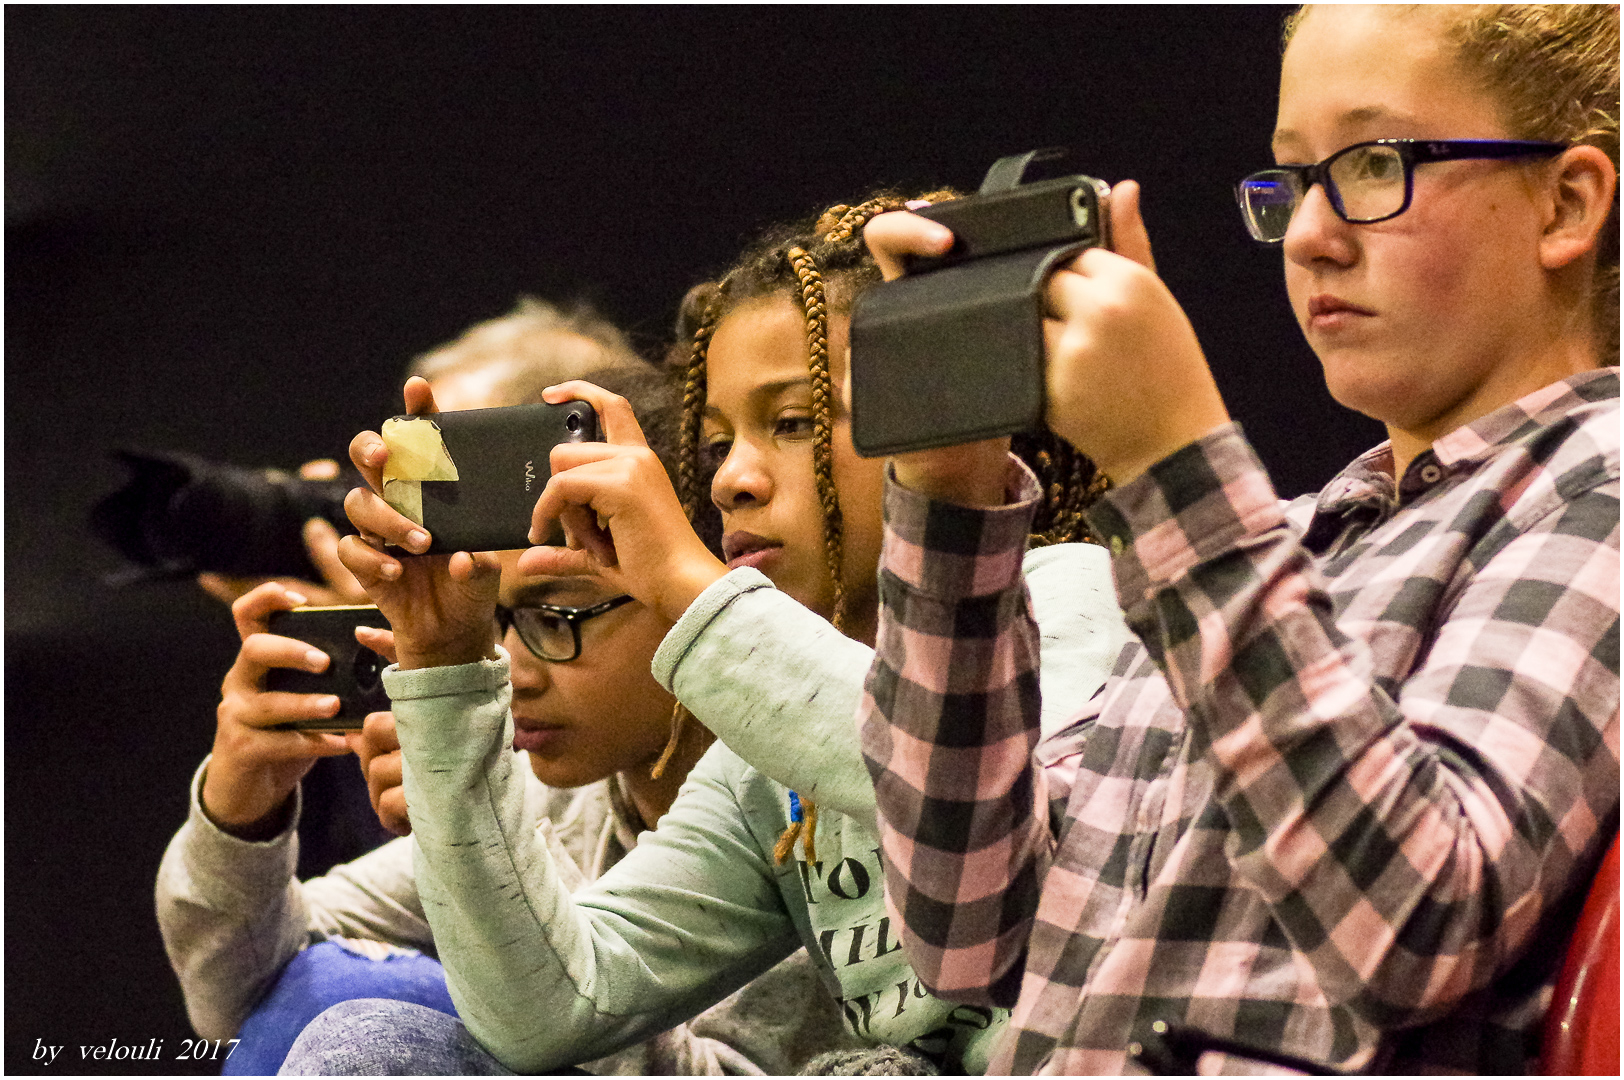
1370	384
561	774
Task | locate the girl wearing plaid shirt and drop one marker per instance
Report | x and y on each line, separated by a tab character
1339	798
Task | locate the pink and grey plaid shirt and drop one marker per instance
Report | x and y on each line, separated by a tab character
1339	798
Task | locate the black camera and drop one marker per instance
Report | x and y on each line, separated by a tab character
180	515
953	352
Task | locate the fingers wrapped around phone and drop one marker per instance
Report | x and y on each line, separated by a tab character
378	750
252	610
616	420
894	236
379	524
378	640
625	525
243	693
254	767
369	453
1127	381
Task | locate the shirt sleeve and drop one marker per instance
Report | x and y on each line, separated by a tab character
950	718
744	653
1407	834
232	913
542	979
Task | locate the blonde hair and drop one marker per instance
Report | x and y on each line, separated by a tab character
530	348
1553	68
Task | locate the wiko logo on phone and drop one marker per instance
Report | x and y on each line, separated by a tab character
529	474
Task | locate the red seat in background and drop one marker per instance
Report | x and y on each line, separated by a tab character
1581	1028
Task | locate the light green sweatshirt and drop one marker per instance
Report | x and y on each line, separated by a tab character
544	979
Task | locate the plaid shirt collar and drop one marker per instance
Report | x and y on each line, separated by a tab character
1367	483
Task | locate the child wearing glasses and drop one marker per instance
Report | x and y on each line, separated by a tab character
590	747
1338	799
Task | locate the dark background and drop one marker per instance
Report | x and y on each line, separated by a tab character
227	230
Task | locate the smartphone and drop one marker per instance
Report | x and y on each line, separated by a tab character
471	478
952	352
354	672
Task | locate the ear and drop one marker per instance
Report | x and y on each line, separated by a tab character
1583	182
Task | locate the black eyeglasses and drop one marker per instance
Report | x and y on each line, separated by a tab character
1365	182
550	631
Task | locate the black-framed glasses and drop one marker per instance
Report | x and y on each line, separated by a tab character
1365	182
551	631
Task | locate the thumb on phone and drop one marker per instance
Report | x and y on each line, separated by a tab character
1128	236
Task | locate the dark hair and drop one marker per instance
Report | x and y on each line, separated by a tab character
655	396
824	265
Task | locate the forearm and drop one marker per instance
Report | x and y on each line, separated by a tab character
1393	824
231	917
949	722
540	979
742	656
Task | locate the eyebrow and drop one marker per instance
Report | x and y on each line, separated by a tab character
566	592
768	391
1362	115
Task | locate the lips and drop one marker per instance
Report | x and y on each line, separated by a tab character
1326	311
747	549
535	735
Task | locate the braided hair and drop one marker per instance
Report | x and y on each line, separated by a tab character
823	267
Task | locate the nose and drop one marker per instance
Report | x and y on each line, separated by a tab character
1317	233
742	479
526	671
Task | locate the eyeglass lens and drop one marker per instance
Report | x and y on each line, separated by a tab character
1365	183
546	633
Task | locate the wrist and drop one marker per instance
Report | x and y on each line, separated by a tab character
986	488
248	808
974	475
1127	467
444	656
686	586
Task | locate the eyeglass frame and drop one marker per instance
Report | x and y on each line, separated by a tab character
572	616
1411	152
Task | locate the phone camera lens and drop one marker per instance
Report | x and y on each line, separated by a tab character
572	423
368	669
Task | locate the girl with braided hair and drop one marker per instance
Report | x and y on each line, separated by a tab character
770	845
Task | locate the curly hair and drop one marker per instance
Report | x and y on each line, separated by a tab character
822	266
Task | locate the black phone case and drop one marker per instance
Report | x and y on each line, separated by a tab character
502	464
354	672
953	352
1047	214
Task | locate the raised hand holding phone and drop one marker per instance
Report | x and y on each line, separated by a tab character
255	767
442	607
1126	380
621	517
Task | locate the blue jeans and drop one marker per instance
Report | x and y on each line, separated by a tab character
381	1037
322	976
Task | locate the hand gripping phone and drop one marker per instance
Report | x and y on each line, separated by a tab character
472	478
354	672
952	352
